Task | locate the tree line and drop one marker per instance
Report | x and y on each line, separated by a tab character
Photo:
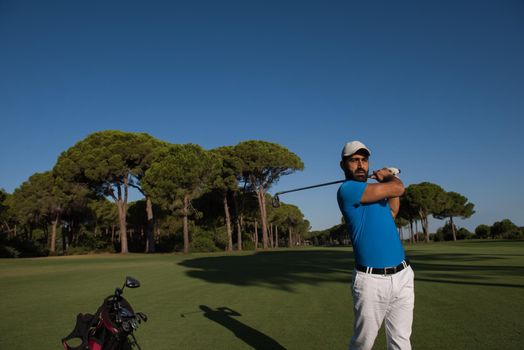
193	198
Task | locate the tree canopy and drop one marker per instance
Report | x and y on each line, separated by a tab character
109	162
263	163
426	198
455	205
184	173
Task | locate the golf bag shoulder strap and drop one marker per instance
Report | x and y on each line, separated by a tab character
83	323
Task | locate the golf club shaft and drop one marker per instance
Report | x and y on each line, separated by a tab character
308	187
395	171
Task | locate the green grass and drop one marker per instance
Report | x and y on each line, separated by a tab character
469	295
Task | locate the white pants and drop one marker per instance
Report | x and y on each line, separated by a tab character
378	298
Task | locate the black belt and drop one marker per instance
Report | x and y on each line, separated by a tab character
383	271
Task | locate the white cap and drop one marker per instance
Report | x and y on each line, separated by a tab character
352	147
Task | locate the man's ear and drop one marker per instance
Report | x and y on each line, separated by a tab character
342	166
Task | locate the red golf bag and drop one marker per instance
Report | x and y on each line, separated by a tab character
111	327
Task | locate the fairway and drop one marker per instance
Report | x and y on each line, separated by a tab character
469	295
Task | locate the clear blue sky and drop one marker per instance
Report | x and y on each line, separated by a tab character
435	88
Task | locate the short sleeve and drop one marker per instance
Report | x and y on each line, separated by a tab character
350	192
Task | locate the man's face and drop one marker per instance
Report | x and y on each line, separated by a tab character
356	167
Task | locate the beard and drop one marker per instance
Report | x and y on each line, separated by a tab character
359	174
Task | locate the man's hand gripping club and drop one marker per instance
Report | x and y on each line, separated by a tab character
385	174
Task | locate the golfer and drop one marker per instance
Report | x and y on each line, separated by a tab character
383	288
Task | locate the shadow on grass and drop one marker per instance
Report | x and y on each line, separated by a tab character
492	242
250	336
467	269
283	269
275	269
440	280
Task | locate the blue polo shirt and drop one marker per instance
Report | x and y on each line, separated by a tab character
371	227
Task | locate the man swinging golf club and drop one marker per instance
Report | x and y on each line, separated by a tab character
383	287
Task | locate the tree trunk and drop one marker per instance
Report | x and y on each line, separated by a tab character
453	228
228	225
122	229
276	236
122	211
186	228
238	218
8	230
271	242
71	239
416	231
263	216
256	235
45	228
150	241
52	247
424	222
64	241
425	228
290	243
239	233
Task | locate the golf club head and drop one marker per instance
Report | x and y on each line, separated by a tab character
275	201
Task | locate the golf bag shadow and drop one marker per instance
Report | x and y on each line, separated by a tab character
111	327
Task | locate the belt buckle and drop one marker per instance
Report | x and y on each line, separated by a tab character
392	269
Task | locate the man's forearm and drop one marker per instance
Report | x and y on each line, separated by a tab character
394	202
394	206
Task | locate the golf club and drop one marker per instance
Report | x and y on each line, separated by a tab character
276	199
